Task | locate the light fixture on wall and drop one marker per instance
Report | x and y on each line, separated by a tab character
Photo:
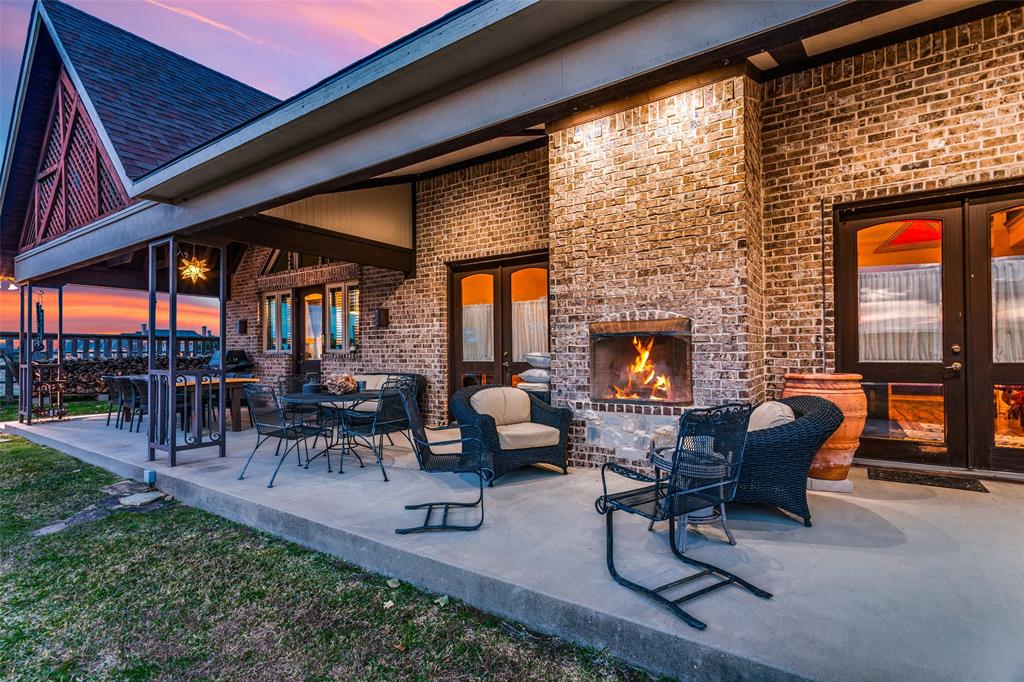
193	268
11	286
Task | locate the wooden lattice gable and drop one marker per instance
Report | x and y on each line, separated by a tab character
75	181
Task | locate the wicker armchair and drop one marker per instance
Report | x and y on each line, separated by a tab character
506	458
776	460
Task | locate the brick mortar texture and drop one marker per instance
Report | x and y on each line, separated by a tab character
653	212
939	111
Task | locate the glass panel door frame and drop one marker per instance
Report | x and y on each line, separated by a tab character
986	372
456	365
502	368
302	365
954	451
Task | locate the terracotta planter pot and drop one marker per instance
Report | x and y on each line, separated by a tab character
832	463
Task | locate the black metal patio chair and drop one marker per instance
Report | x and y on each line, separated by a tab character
116	394
370	428
703	472
453	449
271	422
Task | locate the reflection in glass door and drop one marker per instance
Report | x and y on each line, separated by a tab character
900	324
309	325
499	313
996	330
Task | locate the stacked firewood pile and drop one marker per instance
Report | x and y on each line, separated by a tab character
85	377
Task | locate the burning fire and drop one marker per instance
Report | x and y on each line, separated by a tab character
642	376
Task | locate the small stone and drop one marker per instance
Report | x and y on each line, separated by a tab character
49	530
139	499
122	488
90	513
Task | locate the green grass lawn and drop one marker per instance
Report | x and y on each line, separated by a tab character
181	594
9	411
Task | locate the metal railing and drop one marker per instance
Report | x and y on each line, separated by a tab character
97	347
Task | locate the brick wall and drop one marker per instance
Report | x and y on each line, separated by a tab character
496	208
655	211
942	110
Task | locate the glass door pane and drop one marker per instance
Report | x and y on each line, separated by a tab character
529	312
1006	252
899	285
313	314
477	296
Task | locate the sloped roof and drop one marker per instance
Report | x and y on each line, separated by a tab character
153	104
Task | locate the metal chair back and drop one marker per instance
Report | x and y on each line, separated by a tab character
140	392
391	408
709	451
264	411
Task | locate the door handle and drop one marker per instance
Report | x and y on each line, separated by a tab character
955	367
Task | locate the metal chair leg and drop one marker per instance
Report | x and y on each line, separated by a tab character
730	578
380	459
259	442
647	592
281	461
725	525
446	507
684	529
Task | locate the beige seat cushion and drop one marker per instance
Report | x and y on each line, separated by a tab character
373	383
527	435
770	414
442	436
506	404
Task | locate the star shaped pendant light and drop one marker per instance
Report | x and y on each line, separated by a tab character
194	268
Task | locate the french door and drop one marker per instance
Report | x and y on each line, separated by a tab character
498	314
309	328
930	310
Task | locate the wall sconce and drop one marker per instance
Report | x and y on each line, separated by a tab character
243	327
381	318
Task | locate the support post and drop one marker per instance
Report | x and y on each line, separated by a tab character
29	374
60	349
172	350
222	393
21	355
151	379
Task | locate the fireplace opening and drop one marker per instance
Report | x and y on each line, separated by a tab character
641	361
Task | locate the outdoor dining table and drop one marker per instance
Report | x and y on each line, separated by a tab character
234	386
330	400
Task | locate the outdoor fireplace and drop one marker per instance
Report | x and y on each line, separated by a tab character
641	361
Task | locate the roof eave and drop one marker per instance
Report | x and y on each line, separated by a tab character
188	174
90	108
19	99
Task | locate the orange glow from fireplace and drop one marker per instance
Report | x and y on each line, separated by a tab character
643	376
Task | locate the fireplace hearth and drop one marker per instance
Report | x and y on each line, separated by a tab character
641	361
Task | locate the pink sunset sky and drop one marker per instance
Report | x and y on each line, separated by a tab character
278	47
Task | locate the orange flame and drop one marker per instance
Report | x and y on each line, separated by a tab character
647	378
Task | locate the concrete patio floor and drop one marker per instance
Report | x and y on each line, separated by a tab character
893	582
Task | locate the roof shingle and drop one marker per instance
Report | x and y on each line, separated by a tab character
154	105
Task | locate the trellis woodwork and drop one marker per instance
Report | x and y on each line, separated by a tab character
75	183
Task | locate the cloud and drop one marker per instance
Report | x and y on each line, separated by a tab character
196	16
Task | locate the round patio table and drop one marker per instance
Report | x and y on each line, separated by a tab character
336	401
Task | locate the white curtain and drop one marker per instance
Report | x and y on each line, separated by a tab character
529	328
478	332
1008	309
900	314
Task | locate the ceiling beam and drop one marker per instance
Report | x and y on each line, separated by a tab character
278	233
